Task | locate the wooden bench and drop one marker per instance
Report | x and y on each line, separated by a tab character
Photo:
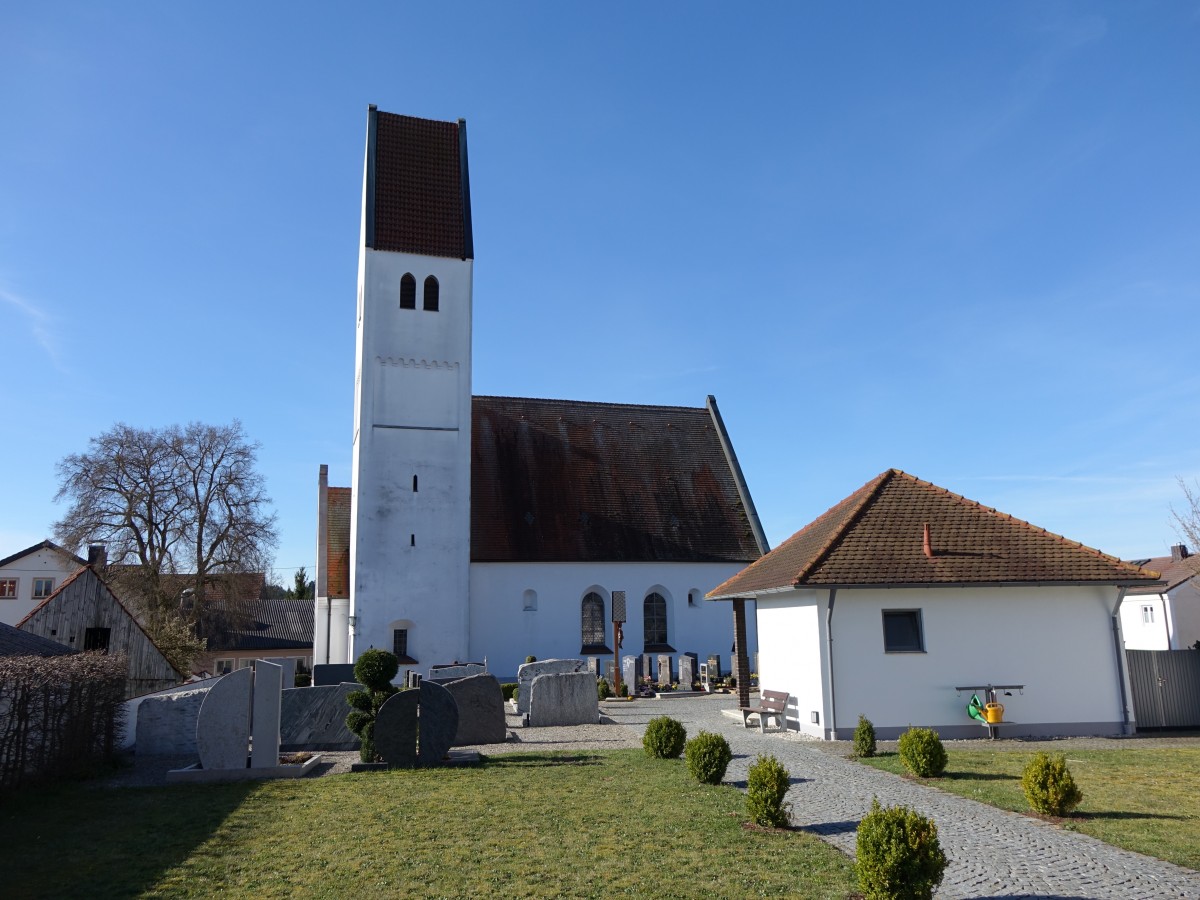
770	703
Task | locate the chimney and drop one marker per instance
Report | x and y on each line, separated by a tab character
928	546
97	557
1178	552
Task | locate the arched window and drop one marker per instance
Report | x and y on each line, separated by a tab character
408	291
654	622
431	294
414	484
593	624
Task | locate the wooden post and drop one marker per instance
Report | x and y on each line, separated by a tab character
741	661
617	658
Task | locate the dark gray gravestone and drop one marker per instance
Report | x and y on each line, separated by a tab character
648	662
631	672
223	724
439	723
480	705
333	673
396	729
609	667
714	666
314	718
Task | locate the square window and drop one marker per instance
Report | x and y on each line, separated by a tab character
96	639
42	588
902	631
224	666
8	588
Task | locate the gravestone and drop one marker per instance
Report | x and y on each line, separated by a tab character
664	669
529	671
648	665
568	699
480	710
714	666
593	664
288	675
264	720
609	673
687	671
167	725
314	718
400	741
223	724
631	672
333	673
456	670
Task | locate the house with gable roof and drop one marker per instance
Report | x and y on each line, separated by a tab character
904	592
498	527
1167	616
29	576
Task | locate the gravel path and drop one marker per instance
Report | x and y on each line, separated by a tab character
992	852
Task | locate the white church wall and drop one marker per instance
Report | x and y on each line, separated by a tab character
520	609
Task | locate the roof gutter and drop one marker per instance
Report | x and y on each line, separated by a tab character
760	536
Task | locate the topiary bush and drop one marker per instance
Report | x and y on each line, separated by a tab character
664	738
624	690
374	670
922	752
603	691
898	856
508	690
531	658
767	784
708	756
864	738
1048	785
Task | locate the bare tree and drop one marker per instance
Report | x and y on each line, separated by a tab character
178	509
1187	520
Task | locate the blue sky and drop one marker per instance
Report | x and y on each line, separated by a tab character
957	239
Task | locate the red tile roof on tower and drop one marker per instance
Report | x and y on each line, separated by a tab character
337	559
421	202
876	537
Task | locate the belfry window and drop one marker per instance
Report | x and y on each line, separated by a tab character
431	294
408	291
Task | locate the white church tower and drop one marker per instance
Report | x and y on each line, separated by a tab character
410	518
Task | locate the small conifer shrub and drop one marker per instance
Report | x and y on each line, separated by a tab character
864	738
708	756
603	691
766	787
374	670
624	691
922	752
531	658
508	690
1048	785
664	738
898	856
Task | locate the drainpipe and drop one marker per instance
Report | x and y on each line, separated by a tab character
832	727
1120	651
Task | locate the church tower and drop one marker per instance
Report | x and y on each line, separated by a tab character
410	519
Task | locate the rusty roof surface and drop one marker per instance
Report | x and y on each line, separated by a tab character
568	481
337	560
876	537
419	203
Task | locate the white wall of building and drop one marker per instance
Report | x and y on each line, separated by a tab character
1146	622
1057	641
40	565
1184	607
410	544
791	655
505	630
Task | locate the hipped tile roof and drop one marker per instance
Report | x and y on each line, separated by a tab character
875	537
419	204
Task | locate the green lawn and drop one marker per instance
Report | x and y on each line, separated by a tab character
531	825
1147	800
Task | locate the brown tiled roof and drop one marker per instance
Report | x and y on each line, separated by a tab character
419	203
1170	570
338	545
567	481
875	537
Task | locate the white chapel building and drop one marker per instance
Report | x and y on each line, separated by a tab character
492	528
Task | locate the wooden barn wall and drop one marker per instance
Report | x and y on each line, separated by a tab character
87	603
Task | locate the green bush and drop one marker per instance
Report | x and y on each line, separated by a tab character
1048	785
624	691
375	669
767	784
531	658
922	752
508	690
864	738
708	756
898	855
664	738
603	691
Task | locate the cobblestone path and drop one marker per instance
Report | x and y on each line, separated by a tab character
992	852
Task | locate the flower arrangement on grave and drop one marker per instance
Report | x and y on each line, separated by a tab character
375	670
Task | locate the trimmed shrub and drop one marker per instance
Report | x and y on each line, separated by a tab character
624	691
864	738
1048	785
603	691
664	738
922	752
767	784
530	658
375	669
508	690
898	855
708	756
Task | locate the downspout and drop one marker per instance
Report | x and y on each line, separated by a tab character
832	728
1120	651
